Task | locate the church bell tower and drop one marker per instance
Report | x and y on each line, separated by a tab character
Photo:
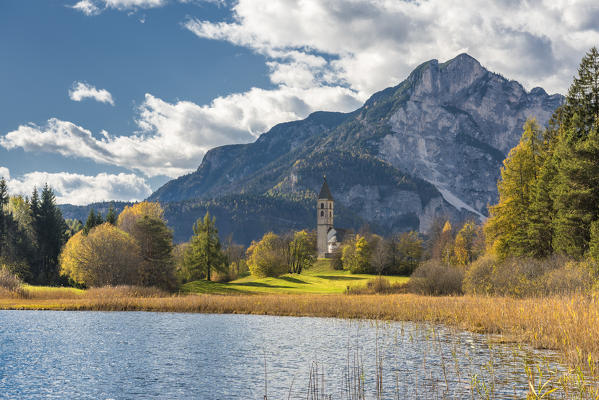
324	218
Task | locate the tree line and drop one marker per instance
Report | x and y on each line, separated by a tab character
542	237
549	186
32	234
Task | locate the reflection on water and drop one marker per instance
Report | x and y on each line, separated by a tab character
100	355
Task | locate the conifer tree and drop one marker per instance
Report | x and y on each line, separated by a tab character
542	213
204	253
576	189
507	227
156	244
50	231
93	219
111	216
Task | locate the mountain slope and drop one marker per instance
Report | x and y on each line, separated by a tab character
431	146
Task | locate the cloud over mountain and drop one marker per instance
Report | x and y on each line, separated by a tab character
374	44
174	137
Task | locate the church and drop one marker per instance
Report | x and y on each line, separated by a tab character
328	238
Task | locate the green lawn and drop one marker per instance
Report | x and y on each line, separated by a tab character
321	278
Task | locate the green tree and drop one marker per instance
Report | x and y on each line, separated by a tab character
576	192
356	256
266	257
542	212
50	231
302	251
409	250
144	221
93	219
204	253
155	240
19	250
111	216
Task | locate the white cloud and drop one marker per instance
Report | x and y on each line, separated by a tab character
174	137
327	55
82	189
95	7
87	7
81	90
4	173
375	44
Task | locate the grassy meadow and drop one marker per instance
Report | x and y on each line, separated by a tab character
320	279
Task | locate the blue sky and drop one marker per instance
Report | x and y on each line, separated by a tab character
109	99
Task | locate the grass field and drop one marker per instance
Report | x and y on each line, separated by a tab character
320	279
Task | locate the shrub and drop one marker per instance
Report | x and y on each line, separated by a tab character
20	269
377	285
479	276
10	283
571	278
436	278
336	260
529	277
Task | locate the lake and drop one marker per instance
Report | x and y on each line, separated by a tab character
142	355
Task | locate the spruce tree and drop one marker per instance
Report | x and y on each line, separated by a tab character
111	216
576	189
204	253
156	244
93	219
51	235
541	212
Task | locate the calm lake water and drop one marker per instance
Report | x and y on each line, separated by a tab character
139	355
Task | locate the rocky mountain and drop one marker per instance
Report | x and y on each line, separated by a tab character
431	146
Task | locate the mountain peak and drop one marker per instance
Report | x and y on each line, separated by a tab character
463	58
431	146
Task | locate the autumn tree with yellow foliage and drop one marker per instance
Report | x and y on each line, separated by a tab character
507	227
105	256
137	252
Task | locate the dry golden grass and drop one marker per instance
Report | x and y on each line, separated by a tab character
569	324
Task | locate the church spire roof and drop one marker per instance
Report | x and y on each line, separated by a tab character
325	192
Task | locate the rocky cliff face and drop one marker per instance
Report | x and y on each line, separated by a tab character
457	125
431	146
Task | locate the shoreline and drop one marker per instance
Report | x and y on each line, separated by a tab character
569	324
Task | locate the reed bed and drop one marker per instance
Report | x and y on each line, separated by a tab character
569	324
